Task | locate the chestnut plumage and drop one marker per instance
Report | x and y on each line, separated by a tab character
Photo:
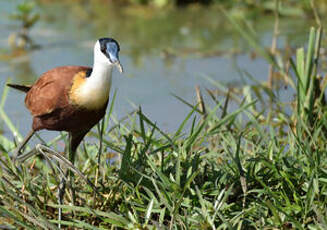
72	98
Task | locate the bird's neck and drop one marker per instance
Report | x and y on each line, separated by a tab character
100	78
93	93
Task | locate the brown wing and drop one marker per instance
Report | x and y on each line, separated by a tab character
51	90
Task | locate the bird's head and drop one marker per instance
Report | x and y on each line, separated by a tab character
106	51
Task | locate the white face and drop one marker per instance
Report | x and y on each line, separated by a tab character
99	56
106	53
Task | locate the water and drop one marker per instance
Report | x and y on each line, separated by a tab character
163	53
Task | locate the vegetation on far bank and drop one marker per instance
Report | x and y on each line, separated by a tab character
291	7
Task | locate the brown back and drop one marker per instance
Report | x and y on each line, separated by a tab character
51	90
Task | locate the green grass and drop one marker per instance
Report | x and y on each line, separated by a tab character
244	163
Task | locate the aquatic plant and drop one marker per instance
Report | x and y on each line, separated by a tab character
26	16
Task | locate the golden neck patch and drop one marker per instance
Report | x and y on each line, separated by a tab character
89	93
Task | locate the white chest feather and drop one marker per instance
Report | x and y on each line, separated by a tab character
93	95
92	92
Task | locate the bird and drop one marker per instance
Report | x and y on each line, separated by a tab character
72	98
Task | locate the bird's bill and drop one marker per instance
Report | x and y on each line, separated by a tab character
119	67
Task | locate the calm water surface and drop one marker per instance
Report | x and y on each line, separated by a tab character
163	53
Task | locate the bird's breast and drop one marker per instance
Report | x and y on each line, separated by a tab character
91	94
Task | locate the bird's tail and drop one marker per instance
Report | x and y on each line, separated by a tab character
23	88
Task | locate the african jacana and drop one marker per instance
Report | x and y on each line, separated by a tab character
72	98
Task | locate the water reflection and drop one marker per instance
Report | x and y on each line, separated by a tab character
147	30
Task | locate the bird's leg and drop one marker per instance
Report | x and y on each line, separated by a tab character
71	150
100	129
72	153
61	192
35	151
62	184
23	143
46	151
75	139
49	153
